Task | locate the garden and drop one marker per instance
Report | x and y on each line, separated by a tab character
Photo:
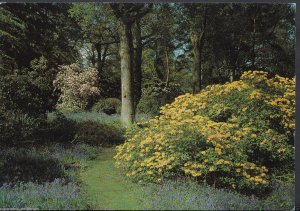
147	106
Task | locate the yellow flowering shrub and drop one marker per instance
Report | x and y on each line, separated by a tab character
232	135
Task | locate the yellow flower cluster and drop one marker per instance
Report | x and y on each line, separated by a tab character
255	77
255	95
210	134
284	99
253	173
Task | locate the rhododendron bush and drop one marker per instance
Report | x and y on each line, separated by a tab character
232	135
77	86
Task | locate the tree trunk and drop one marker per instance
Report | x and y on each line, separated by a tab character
157	62
196	66
167	64
99	56
137	64
232	74
253	43
126	54
103	58
198	40
198	43
93	58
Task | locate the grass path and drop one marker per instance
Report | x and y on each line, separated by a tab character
106	187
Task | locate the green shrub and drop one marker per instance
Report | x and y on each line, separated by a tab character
98	134
7	129
233	135
155	95
108	106
16	127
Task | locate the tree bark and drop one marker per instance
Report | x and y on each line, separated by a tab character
232	74
167	64
196	65
253	43
157	62
99	56
103	58
126	54
93	58
198	40
198	43
128	14
137	63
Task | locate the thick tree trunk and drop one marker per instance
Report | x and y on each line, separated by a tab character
137	64
126	54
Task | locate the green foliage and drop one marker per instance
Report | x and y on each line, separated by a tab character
108	106
42	30
97	134
233	135
157	94
11	33
24	93
26	96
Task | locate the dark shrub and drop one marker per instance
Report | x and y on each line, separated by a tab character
95	133
108	106
62	128
155	95
25	167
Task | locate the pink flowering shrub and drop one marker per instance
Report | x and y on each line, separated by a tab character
77	86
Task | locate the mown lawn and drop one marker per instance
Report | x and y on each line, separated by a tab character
107	187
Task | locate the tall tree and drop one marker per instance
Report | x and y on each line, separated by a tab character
197	18
128	14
